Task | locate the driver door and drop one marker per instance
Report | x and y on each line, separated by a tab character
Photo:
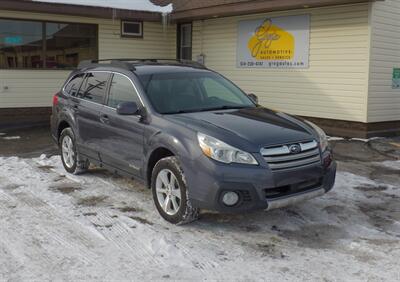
122	136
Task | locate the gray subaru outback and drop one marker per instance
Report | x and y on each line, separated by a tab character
191	135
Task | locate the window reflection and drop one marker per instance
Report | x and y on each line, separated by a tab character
33	44
67	44
21	44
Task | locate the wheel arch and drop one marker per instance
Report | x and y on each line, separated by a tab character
165	144
61	126
155	156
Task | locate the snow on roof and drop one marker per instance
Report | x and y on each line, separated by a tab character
134	5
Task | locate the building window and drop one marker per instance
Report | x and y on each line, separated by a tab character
185	41
45	45
131	29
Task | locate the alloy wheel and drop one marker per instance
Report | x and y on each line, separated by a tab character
68	151
168	192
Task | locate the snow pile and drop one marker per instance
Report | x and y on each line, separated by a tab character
134	5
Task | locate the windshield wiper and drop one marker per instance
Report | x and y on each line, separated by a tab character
222	108
205	110
180	112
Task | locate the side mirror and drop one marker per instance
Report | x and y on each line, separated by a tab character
127	109
253	97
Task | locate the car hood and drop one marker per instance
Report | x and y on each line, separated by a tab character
256	127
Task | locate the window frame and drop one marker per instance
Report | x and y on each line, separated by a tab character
179	40
43	22
106	90
70	80
128	34
112	74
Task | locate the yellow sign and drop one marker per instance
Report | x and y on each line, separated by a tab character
270	42
280	42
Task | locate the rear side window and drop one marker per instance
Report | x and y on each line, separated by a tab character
121	90
94	88
73	85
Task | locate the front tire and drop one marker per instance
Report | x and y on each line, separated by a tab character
170	192
69	155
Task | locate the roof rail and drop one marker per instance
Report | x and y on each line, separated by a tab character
179	61
127	62
112	62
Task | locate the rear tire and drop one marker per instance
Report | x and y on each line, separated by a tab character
170	192
69	154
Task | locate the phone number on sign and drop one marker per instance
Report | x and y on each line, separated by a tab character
272	64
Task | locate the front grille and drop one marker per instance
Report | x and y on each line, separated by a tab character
288	190
282	157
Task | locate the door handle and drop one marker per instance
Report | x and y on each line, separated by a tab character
104	119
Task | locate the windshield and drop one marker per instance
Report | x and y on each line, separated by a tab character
181	92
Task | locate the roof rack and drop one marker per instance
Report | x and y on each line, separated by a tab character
112	62
128	63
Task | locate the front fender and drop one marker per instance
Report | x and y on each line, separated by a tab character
183	144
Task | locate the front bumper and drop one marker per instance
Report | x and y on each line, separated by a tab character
257	186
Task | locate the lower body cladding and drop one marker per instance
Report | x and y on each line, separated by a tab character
241	188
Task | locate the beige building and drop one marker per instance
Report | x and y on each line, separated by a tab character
341	63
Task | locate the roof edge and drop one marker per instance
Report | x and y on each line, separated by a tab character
254	7
78	10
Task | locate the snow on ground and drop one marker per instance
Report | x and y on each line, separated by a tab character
10	137
101	227
135	5
392	164
334	138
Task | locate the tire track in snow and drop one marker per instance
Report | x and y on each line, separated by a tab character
204	264
118	232
151	247
121	235
75	237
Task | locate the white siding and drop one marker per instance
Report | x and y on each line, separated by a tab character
336	84
383	101
35	88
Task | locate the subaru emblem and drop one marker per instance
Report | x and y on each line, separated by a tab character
295	149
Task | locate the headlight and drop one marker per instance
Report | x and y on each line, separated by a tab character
323	139
222	152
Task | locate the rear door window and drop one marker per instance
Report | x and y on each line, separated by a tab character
74	84
122	90
94	88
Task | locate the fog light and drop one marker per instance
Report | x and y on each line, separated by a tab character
230	199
